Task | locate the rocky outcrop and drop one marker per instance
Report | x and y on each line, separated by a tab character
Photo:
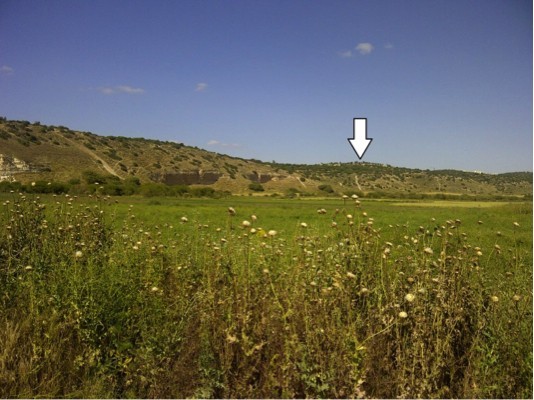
12	165
258	177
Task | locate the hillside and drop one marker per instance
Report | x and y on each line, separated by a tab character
31	151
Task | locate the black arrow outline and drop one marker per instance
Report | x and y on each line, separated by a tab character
354	137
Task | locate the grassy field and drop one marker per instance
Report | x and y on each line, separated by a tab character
260	297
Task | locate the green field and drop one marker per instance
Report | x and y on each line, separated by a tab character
263	297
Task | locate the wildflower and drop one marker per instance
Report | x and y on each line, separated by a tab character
364	291
403	314
354	196
252	231
334	224
154	289
349	216
265	271
428	250
409	297
184	219
516	224
28	268
33	183
245	224
253	218
495	299
350	275
272	233
303	225
231	211
514	298
231	339
78	254
479	253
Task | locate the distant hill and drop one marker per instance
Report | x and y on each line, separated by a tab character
31	151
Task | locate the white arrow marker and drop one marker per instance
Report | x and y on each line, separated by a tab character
359	141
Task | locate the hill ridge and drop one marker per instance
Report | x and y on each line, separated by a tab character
61	154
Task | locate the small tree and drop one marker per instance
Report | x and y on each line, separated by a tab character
256	187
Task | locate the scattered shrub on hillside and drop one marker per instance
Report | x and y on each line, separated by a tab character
326	188
256	187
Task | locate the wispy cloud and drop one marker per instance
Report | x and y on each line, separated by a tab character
130	90
221	144
345	54
201	87
388	46
6	70
120	89
364	48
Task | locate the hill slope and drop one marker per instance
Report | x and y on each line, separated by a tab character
37	152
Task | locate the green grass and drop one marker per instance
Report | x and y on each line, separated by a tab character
163	297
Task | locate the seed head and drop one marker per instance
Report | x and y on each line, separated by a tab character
516	297
245	224
78	254
409	297
495	299
272	233
231	211
350	275
428	250
403	314
184	219
303	225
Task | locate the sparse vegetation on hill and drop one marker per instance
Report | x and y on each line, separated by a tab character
58	154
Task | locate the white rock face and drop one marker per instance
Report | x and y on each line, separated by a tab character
10	166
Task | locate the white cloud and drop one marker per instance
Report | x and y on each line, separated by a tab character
201	86
217	143
130	90
6	70
364	48
345	54
120	89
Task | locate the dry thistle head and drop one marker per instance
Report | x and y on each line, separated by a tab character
409	297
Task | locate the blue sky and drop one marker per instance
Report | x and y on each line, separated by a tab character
443	84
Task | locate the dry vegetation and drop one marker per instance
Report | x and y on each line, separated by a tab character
228	304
